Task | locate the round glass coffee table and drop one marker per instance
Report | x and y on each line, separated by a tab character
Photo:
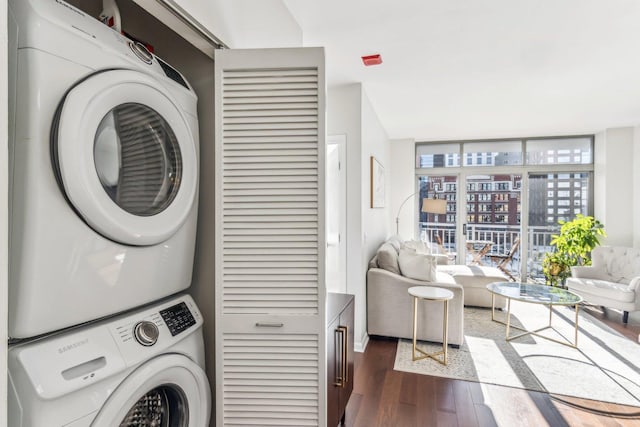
534	294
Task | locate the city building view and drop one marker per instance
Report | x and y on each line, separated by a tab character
504	195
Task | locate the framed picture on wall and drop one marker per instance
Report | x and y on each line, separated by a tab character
377	183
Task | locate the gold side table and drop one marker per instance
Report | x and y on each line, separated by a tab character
431	293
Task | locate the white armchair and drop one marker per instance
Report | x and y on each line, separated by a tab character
613	279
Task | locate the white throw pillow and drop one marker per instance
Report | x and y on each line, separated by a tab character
417	266
417	246
388	258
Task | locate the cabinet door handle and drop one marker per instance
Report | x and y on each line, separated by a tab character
269	324
342	346
345	353
339	338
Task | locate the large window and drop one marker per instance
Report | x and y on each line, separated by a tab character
576	150
550	179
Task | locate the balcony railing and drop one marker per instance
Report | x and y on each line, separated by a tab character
502	238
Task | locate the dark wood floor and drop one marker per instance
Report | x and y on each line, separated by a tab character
387	398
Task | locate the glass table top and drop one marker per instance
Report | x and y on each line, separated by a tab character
538	294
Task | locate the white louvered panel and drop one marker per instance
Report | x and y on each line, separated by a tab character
250	217
239	184
270	331
271	379
267	208
282	151
272	144
273	251
293	195
231	113
263	123
236	120
263	75
261	225
279	232
270	128
264	241
268	175
274	166
278	149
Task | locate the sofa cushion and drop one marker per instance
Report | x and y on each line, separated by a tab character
388	258
622	264
396	242
373	263
474	276
417	266
416	245
423	248
611	290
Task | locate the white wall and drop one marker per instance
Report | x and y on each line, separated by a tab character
636	185
245	23
350	113
343	117
403	183
375	142
4	240
614	195
375	221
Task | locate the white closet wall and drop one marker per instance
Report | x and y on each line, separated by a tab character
270	237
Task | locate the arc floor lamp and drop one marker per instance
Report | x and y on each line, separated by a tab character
434	206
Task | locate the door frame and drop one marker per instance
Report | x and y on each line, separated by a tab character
341	141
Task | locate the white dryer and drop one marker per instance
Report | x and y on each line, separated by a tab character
139	369
103	171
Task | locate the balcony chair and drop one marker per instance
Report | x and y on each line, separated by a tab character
451	256
502	260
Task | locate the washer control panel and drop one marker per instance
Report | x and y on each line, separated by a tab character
146	333
177	318
57	365
141	52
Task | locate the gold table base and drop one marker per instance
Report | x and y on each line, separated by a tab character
445	329
566	342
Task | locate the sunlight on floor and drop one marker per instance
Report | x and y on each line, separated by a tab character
515	410
497	362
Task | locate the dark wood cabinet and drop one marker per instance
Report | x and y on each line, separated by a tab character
340	321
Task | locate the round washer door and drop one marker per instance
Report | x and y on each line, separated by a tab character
168	391
126	157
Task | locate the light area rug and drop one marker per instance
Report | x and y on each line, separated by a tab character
605	366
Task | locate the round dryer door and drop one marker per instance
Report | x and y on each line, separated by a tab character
126	157
168	391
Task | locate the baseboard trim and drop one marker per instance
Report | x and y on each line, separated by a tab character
362	344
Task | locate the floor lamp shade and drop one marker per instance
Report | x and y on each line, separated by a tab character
434	206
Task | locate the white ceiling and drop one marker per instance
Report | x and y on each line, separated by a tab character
456	69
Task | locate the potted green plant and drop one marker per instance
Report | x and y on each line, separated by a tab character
556	267
573	246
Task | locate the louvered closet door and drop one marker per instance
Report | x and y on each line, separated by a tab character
270	292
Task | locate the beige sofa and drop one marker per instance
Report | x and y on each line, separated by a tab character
389	306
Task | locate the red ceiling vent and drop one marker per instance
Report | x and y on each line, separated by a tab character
370	60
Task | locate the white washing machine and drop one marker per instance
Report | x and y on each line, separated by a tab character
138	369
103	171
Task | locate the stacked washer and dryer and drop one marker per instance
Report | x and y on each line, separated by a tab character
103	204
